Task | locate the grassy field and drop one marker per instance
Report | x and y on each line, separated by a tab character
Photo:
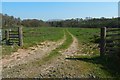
56	52
100	67
88	39
33	36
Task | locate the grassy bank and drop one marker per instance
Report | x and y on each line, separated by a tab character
33	36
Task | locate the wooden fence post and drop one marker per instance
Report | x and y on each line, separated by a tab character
20	36
103	41
7	36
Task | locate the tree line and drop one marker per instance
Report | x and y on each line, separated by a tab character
10	21
93	22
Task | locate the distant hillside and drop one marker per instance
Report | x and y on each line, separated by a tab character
51	20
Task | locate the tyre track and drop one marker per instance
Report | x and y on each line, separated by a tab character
54	68
23	56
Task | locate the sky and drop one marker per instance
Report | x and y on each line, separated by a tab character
60	10
59	0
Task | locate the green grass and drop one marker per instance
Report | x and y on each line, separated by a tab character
105	67
84	35
33	36
86	38
56	52
99	67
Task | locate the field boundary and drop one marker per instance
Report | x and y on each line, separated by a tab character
110	44
14	36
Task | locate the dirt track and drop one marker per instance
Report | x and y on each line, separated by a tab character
21	63
58	67
23	56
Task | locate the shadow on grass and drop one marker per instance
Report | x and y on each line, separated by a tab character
109	64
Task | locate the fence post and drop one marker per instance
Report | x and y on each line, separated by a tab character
20	36
103	41
7	36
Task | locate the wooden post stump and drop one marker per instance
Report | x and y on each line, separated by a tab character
103	41
20	36
7	36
